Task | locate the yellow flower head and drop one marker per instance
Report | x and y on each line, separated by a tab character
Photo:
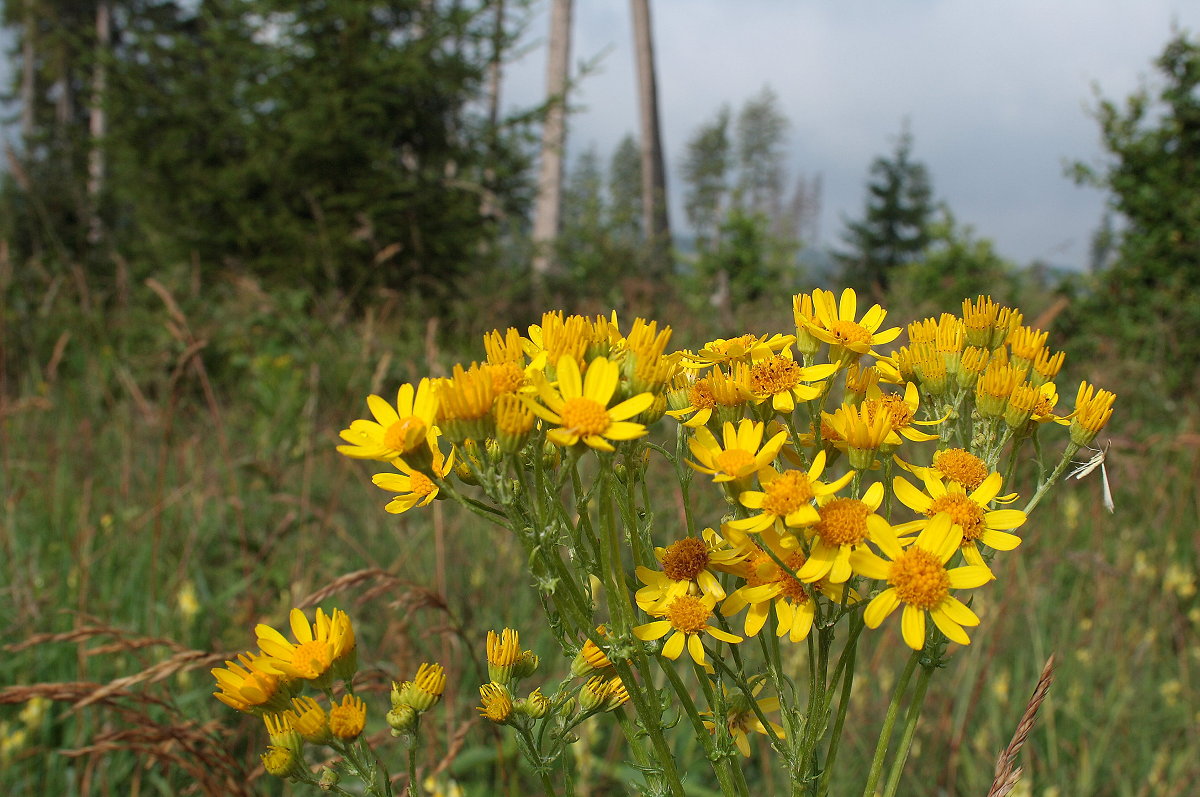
1093	408
845	525
783	381
901	412
503	652
413	488
423	691
497	703
280	732
848	339
558	336
322	650
969	513
348	718
735	350
685	618
400	431
918	579
579	406
788	497
687	566
465	403
250	685
309	720
805	317
590	657
1046	366
739	455
860	431
283	762
979	319
741	718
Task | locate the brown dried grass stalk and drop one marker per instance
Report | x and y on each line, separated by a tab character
1007	773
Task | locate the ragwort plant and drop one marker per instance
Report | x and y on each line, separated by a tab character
859	484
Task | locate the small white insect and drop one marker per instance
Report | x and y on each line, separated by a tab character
1096	461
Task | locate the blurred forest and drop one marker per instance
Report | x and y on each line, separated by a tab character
223	222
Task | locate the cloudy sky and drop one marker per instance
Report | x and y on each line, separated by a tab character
996	94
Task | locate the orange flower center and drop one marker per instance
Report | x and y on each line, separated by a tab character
764	570
700	395
899	413
843	522
685	559
963	510
848	333
688	614
312	659
405	434
506	377
960	465
421	485
919	578
787	494
775	375
585	416
735	461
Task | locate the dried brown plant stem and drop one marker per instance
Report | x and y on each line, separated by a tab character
1007	773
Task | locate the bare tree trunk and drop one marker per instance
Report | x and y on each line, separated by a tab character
554	137
96	120
489	207
28	69
655	223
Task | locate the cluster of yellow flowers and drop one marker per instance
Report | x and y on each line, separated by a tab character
269	684
757	421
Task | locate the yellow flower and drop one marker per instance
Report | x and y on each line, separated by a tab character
901	412
413	488
787	497
322	650
784	381
309	720
283	762
1093	408
968	511
590	657
860	431
558	336
348	718
579	405
740	717
917	577
741	453
423	691
397	431
768	584
497	703
844	526
686	619
249	685
848	339
734	350
953	465
503	652
686	570
465	403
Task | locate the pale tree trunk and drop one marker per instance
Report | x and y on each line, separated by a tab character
96	120
655	224
28	69
554	136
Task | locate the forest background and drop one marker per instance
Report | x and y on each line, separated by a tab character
223	223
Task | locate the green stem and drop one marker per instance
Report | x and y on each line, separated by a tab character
1072	448
910	727
844	671
885	733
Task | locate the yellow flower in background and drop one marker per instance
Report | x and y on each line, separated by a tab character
968	511
558	336
848	339
465	403
579	406
787	497
740	717
685	618
739	455
503	652
309	720
919	581
783	381
413	488
845	524
901	412
318	647
398	431
249	685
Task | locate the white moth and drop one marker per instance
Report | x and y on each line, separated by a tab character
1096	461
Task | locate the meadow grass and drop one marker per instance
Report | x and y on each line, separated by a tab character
168	480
